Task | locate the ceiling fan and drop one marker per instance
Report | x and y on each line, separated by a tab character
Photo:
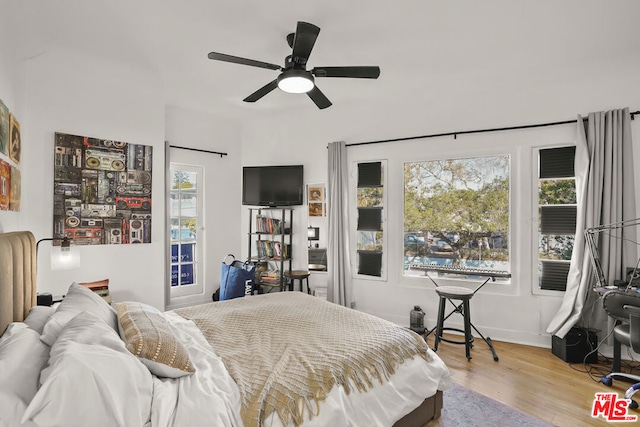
294	76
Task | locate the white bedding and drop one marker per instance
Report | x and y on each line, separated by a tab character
210	396
90	361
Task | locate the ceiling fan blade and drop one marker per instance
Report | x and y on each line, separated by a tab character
364	72
318	97
262	91
243	61
305	38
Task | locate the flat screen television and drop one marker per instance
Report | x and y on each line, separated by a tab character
273	185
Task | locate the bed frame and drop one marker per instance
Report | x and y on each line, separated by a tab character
18	295
17	276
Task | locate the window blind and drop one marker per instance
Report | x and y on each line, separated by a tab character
558	219
370	174
557	162
370	263
554	275
370	219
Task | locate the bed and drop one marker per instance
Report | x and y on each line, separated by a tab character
283	359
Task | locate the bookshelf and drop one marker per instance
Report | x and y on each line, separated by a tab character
269	245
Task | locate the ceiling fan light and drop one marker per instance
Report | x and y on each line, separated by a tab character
295	81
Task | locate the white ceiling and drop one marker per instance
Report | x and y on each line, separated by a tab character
427	50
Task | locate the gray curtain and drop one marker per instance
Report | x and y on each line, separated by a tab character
339	286
606	195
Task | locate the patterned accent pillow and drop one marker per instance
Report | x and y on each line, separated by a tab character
149	337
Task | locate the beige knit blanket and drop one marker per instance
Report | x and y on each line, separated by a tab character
287	350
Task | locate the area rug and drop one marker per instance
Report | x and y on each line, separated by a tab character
464	407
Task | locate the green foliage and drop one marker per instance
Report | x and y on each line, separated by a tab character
369	197
181	180
557	192
460	201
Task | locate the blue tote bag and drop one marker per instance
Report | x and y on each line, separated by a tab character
236	278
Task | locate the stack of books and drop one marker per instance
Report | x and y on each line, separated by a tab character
270	277
100	287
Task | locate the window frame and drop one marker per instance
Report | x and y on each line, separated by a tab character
536	288
511	249
354	229
197	288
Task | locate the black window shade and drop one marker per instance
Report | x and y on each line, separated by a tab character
554	275
370	219
370	263
557	162
558	220
370	174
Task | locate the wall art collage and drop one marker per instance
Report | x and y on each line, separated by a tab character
102	191
10	149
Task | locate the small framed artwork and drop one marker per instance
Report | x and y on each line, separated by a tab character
315	209
15	147
315	194
316	199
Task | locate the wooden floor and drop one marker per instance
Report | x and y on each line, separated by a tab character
533	380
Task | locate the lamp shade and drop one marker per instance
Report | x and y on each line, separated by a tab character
66	258
313	233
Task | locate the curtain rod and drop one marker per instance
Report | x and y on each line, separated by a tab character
197	149
463	132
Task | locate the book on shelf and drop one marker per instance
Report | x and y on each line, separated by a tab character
270	277
268	225
271	249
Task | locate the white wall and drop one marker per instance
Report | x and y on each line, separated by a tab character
82	95
511	313
186	128
10	88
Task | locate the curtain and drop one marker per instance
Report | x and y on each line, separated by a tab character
339	286
605	195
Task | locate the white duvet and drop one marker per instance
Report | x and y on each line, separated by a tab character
210	396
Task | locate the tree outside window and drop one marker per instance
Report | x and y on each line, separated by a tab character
456	212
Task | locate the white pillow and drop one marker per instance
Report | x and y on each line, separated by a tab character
22	357
38	317
77	300
91	380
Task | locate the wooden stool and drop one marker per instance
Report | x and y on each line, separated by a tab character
300	275
458	293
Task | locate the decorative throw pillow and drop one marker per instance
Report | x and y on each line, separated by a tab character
149	337
77	300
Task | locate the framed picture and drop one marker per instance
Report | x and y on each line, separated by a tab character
315	209
15	147
315	194
316	200
101	190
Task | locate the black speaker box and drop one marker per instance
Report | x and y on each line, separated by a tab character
575	346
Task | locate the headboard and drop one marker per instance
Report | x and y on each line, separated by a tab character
17	276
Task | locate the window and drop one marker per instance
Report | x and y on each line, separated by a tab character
557	211
456	213
186	220
370	230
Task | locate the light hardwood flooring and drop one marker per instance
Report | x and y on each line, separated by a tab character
533	380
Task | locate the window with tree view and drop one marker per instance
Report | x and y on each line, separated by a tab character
456	215
370	232
557	211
